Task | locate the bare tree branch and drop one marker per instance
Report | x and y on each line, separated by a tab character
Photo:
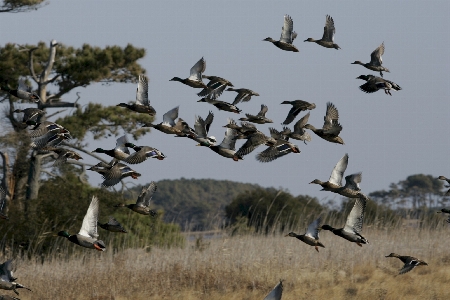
51	80
57	104
53	114
49	173
30	64
85	151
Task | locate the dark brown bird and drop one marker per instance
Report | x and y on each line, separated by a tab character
409	261
297	107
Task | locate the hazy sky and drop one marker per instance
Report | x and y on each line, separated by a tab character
387	138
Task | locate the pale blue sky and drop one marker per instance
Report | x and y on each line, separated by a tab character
387	138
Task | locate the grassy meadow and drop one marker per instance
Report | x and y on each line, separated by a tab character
247	267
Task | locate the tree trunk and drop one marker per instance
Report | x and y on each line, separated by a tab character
34	175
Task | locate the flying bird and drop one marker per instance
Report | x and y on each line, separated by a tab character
87	237
311	237
195	79
143	201
142	104
297	107
113	225
352	229
374	83
299	130
288	35
7	280
327	39
375	61
409	261
215	87
331	127
260	118
244	95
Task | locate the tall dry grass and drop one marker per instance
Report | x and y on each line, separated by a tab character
247	267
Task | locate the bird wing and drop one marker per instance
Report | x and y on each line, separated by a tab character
339	170
142	91
408	266
23	86
62	158
120	144
276	293
352	181
170	116
6	273
313	230
43	128
229	140
356	216
242	96
369	87
146	195
208	121
214	89
89	225
114	174
197	70
331	116
254	140
200	127
272	153
375	56
264	109
112	221
328	30
335	129
287	34
298	127
140	156
276	134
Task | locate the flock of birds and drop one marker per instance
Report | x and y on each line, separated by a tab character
48	137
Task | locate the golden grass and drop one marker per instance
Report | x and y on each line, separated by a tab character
248	267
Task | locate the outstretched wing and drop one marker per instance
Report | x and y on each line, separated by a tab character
264	109
313	231
208	121
170	116
287	33
197	70
298	127
229	141
146	195
353	181
120	144
6	271
142	91
409	266
276	293
328	30
356	216
112	221
89	226
200	127
339	170
331	116
375	56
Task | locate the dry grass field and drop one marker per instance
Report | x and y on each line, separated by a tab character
247	267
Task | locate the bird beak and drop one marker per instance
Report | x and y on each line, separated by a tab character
439	212
97	247
319	228
286	235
